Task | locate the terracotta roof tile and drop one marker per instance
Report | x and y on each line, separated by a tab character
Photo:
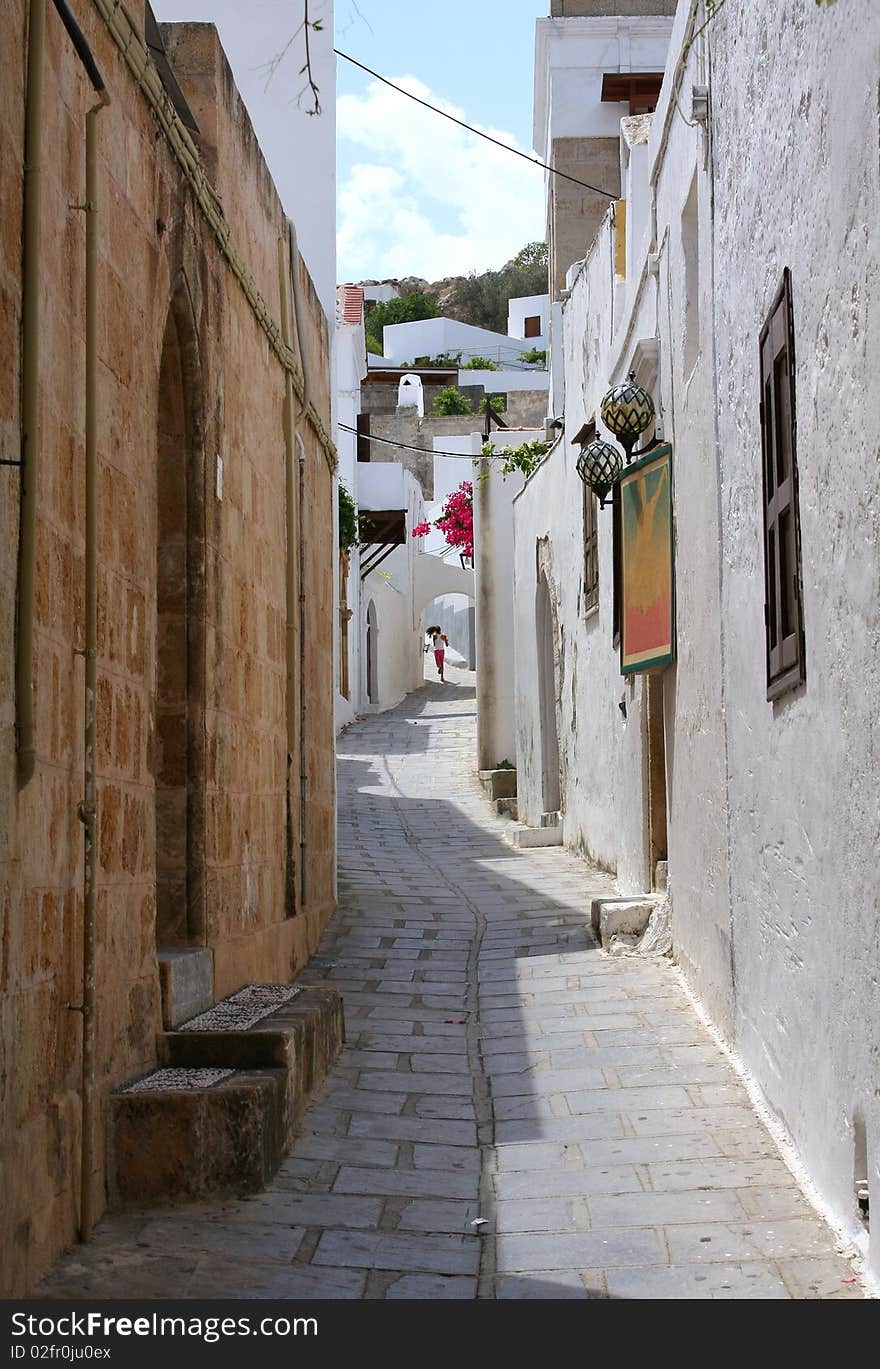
350	300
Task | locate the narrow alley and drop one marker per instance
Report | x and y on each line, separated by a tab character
515	1114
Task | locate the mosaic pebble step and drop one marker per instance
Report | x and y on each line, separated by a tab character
164	1080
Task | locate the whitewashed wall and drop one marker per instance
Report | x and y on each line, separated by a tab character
392	589
773	821
799	187
673	173
494	575
601	752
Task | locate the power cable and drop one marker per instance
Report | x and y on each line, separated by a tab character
535	161
405	446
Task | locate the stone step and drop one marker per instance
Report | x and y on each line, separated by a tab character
226	1102
179	1135
526	838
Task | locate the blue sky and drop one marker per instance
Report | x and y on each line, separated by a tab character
415	195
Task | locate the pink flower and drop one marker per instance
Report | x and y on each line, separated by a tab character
456	522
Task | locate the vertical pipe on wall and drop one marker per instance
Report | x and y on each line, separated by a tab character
300	338
290	578
30	378
88	807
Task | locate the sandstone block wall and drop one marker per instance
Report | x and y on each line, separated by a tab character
574	213
181	352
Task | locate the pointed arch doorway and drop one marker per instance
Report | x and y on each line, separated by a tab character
180	636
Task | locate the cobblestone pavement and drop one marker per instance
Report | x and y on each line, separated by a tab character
515	1114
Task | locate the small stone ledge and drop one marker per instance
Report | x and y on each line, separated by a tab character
527	838
186	979
620	923
499	784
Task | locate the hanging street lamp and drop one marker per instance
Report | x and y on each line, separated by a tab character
627	410
599	465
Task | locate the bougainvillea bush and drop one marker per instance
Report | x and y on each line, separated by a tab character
456	520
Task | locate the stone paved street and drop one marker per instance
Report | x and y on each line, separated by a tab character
499	1070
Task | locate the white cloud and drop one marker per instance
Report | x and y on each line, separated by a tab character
428	199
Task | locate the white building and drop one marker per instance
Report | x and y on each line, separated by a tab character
432	337
527	318
386	581
736	283
593	62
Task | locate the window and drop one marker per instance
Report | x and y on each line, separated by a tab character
591	533
363	437
783	605
532	326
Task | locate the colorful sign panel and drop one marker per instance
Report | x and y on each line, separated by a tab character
647	636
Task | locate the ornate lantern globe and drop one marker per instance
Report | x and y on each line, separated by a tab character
599	466
627	410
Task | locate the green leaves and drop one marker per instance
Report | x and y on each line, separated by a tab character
450	401
348	520
524	458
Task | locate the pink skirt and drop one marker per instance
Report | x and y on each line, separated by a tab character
438	656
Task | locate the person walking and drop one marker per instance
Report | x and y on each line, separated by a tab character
439	641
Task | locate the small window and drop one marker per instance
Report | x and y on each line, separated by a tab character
783	604
363	437
532	326
591	534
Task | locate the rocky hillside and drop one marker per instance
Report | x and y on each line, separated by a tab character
440	290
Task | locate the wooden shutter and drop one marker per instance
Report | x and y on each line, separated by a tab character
363	438
783	606
616	534
591	532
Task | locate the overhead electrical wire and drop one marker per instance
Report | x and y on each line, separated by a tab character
535	161
405	446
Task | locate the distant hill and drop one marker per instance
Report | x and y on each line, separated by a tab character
481	297
440	290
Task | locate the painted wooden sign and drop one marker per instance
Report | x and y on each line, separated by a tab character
647	637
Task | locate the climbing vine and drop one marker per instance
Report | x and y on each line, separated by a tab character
348	520
523	458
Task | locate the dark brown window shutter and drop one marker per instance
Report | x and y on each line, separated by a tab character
591	532
783	611
532	326
616	535
363	438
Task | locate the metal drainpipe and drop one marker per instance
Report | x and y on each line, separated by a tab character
30	381
88	808
300	338
290	497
